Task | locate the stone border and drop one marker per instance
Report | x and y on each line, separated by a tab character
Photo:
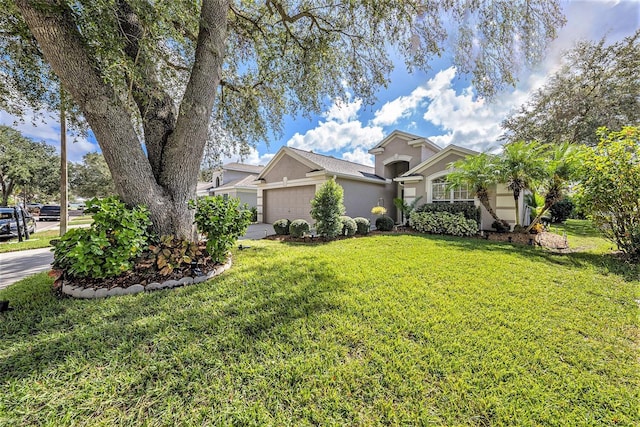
88	293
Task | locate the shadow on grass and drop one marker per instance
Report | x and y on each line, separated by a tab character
231	313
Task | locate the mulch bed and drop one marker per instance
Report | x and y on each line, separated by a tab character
143	272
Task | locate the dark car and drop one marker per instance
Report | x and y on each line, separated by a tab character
49	213
8	227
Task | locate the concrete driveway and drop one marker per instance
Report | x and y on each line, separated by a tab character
15	266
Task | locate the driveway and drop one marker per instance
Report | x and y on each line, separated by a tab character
15	266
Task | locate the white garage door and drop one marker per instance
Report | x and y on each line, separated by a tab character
288	203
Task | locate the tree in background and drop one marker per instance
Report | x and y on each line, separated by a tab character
155	79
597	85
327	207
30	167
520	166
609	189
91	178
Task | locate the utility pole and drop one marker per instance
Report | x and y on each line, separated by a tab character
64	198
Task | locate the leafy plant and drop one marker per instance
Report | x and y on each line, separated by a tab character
281	227
108	247
363	225
349	226
406	208
327	207
469	210
562	210
384	223
443	223
222	220
298	228
610	186
172	253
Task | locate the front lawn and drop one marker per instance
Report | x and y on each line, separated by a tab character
391	329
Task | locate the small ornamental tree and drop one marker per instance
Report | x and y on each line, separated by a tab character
610	186
327	207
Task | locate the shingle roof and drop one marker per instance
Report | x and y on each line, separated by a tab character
243	167
338	166
247	181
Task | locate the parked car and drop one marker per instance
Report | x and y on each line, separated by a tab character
8	226
50	213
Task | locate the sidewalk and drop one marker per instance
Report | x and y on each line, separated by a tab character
17	265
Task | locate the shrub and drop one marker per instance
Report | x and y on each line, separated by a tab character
349	226
254	214
298	227
469	210
222	220
379	210
561	210
327	207
363	225
610	186
384	223
281	227
443	223
109	246
500	226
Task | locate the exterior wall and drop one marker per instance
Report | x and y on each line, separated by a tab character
287	167
360	197
247	196
401	148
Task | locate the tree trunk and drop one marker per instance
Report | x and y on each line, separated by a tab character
483	196
169	183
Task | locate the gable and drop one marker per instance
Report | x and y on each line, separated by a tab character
284	165
440	161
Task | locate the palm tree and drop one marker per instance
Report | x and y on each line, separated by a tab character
478	172
520	166
559	167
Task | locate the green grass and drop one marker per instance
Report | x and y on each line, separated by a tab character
583	236
399	330
40	239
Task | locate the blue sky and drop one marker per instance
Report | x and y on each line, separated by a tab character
439	104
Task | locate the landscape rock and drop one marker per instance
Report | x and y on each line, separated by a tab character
134	289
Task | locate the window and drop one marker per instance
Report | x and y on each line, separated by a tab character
441	194
217	181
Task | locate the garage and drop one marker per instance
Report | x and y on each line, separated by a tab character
289	203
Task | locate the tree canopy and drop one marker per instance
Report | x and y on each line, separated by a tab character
26	166
597	85
91	177
154	80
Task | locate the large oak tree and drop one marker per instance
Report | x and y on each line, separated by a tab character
597	85
150	77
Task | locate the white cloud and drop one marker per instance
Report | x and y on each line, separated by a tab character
340	131
359	155
254	158
48	130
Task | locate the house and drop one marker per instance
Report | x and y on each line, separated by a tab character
406	166
236	180
290	180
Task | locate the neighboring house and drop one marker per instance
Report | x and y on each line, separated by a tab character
236	180
406	166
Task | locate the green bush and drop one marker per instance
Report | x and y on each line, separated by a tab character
349	226
443	223
109	246
363	225
469	210
384	223
298	227
281	227
254	214
222	220
561	211
327	207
